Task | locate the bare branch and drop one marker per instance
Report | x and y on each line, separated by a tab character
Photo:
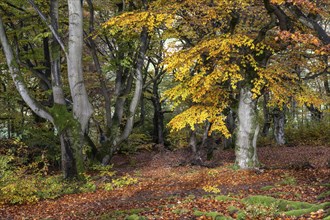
52	29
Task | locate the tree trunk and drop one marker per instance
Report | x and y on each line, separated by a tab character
279	122
93	48
229	143
138	87
267	116
114	136
247	131
316	114
193	142
82	109
122	91
36	107
158	120
68	162
326	85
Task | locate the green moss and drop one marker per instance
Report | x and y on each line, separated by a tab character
326	185
232	209
327	218
313	208
282	205
224	198
324	195
234	167
62	117
290	208
241	215
223	218
259	200
265	188
288	180
134	217
180	211
64	121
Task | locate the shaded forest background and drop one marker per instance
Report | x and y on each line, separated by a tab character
86	85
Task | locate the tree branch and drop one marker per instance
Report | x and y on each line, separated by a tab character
309	22
15	73
52	29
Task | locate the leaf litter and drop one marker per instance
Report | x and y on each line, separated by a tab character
168	190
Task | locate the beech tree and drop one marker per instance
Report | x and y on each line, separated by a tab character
228	43
222	55
70	126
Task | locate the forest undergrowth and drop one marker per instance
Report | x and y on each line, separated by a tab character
294	183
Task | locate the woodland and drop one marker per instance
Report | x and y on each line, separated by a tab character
165	109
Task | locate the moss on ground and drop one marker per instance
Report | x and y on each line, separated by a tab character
327	218
225	198
240	215
289	208
180	211
324	195
265	188
134	217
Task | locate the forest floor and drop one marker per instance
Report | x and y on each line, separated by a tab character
167	189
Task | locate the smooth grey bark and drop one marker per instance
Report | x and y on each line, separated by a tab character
115	136
52	28
57	86
68	161
279	122
247	131
36	107
138	87
206	133
193	141
82	109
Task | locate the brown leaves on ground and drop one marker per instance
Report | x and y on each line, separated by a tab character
166	190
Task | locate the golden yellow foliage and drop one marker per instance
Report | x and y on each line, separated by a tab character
212	51
133	22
